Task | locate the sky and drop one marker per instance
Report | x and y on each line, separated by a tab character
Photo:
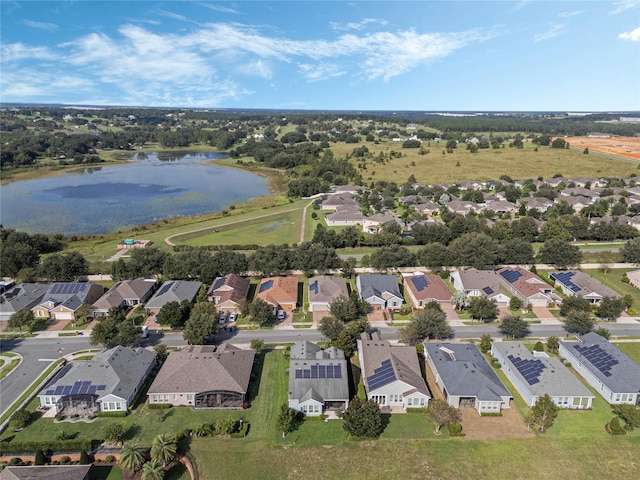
537	55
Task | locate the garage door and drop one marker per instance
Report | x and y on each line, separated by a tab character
538	302
64	316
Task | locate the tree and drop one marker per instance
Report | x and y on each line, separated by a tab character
515	303
603	332
485	343
481	308
22	319
460	300
553	343
331	327
474	249
347	309
610	308
578	321
257	345
161	351
173	314
430	322
114	433
64	268
362	418
261	312
163	449
631	251
21	419
560	253
152	470
514	326
128	334
105	332
131	457
544	412
286	420
201	324
442	413
574	302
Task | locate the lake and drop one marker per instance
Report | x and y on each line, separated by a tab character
101	199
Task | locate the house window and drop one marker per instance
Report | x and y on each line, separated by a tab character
379	399
160	398
40	313
189	396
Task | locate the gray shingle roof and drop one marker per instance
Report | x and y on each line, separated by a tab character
326	289
375	285
46	472
174	291
625	374
199	369
555	379
24	295
305	354
467	374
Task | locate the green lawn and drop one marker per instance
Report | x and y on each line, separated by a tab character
613	279
632	349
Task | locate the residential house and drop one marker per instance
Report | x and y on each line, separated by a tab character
62	300
579	192
578	202
172	291
20	297
556	181
380	291
318	379
528	287
204	378
353	189
479	283
541	204
423	288
375	223
427	208
127	293
535	374
325	289
502	206
228	292
580	284
391	374
611	372
333	202
279	292
45	472
109	382
465	378
463	207
344	217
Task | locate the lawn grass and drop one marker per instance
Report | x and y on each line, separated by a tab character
632	349
613	279
105	472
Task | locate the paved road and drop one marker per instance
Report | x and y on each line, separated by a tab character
38	353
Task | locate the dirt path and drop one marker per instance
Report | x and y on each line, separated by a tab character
304	221
168	241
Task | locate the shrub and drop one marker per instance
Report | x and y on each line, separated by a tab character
242	432
65	460
455	429
615	428
15	461
491	414
40	459
84	458
112	414
51	445
416	410
315	418
109	459
21	419
538	347
154	406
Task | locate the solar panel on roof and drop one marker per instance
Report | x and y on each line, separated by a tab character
92	390
298	373
322	371
337	371
67	390
59	390
265	286
511	275
165	288
101	387
218	283
49	392
83	389
313	287
598	357
306	373
420	282
487	290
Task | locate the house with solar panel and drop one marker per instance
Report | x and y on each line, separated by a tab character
391	374
528	287
227	292
279	292
535	374
204	377
108	382
172	291
318	380
423	288
580	284
20	297
127	293
62	300
323	290
380	291
465	378
607	369
480	283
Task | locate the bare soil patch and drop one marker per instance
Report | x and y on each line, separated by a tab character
626	147
509	426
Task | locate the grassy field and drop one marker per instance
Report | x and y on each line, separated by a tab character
631	349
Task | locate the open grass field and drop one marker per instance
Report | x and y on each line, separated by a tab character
486	164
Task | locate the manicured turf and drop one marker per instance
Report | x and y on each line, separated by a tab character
613	279
632	349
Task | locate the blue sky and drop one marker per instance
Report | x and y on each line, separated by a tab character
367	55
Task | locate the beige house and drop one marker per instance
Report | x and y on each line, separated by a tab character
325	289
280	292
62	300
423	288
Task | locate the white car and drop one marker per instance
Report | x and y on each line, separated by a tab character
232	317
281	315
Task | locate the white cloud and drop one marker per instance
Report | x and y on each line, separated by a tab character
623	6
633	35
13	52
570	14
219	8
552	32
323	71
50	27
357	25
258	68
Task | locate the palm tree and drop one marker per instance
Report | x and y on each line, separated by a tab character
152	471
163	448
131	456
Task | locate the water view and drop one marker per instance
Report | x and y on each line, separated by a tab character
101	199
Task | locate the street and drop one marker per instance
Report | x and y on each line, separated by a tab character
39	352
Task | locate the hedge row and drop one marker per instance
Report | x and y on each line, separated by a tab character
416	410
158	406
112	414
491	414
57	446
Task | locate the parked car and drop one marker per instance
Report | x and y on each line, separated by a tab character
281	315
232	317
222	319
